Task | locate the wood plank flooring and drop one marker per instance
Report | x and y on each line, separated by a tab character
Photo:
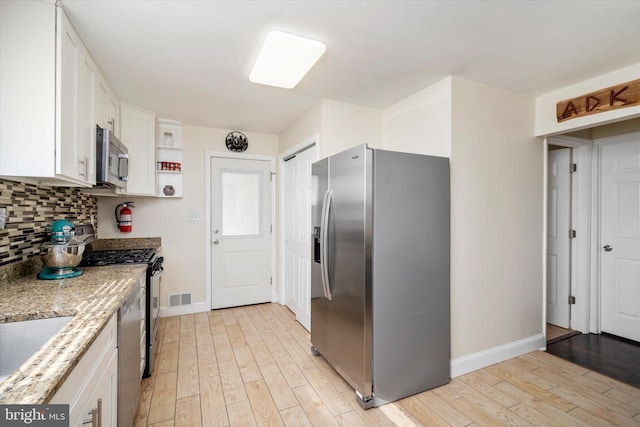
556	333
252	366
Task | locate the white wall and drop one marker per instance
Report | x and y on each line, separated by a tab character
183	241
420	123
619	128
496	219
340	125
545	113
309	124
346	125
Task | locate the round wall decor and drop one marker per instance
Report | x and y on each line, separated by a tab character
236	141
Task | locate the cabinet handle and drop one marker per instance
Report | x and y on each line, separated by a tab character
85	168
94	418
99	411
96	415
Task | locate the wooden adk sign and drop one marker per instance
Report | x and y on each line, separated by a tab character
611	98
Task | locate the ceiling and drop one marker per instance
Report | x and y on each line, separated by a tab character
190	60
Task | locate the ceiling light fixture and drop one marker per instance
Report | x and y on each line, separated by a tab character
284	59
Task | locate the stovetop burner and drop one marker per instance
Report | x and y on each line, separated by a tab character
118	256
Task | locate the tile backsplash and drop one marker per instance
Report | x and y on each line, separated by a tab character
29	209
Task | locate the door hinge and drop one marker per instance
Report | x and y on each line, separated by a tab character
572	234
572	300
271	280
574	167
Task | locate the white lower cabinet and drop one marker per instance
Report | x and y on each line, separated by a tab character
103	403
91	390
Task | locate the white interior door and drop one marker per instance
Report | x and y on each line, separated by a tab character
558	241
298	235
620	282
241	232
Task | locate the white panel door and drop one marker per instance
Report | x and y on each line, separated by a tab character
241	232
620	283
558	241
298	235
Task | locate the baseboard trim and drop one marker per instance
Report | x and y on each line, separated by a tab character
472	362
198	307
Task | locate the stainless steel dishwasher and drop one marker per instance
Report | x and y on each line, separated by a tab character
129	316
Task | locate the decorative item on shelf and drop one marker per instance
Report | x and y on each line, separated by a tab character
169	166
236	141
168	190
168	139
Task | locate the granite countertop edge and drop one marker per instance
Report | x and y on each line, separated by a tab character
92	298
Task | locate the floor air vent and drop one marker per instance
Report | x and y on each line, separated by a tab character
179	299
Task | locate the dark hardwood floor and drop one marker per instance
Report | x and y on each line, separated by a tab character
607	354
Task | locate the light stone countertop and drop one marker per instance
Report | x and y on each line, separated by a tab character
92	298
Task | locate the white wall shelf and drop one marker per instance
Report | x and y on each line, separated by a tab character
169	158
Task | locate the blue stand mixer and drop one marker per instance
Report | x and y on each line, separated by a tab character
62	254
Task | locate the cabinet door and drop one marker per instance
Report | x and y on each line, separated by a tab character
27	88
86	132
138	135
66	141
75	142
91	377
107	108
113	114
102	95
106	390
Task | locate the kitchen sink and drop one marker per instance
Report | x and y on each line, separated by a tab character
20	340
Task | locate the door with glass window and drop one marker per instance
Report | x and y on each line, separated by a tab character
241	232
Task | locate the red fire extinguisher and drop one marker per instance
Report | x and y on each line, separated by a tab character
124	217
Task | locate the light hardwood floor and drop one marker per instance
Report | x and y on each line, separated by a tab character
554	332
251	366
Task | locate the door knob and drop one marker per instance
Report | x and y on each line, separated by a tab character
607	248
215	242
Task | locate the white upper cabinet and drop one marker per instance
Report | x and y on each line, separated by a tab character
139	135
48	82
75	138
107	107
113	114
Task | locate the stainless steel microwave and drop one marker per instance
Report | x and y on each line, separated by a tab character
112	167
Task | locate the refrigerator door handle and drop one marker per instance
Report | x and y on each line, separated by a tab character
322	243
324	240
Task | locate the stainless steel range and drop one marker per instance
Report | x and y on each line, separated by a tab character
154	262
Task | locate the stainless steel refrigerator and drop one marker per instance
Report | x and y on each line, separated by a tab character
380	271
